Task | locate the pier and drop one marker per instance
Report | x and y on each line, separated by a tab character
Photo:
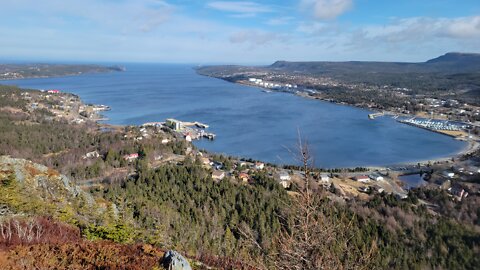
188	130
372	116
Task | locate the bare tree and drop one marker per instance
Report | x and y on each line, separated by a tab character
318	234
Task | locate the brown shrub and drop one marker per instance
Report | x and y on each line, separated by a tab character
29	231
81	255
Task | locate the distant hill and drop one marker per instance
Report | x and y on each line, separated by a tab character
450	63
23	71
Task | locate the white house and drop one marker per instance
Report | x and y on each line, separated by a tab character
284	176
448	174
259	166
324	178
93	154
285	183
362	178
376	177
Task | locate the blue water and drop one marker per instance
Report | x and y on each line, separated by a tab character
249	122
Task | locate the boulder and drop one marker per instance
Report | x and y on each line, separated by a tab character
172	260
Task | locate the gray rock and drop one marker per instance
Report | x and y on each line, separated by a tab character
172	260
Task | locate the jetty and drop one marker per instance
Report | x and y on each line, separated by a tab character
190	130
372	116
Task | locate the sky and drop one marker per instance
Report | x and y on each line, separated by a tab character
237	32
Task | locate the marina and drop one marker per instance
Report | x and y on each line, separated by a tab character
435	125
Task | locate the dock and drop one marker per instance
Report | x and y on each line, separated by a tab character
372	116
190	130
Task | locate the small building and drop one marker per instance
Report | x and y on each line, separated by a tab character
324	178
362	178
188	138
376	177
285	183
53	91
244	177
93	154
259	165
218	175
165	141
205	160
174	124
284	176
457	191
130	157
448	174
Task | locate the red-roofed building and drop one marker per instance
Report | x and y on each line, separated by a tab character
130	157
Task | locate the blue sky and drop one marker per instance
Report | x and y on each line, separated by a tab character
257	32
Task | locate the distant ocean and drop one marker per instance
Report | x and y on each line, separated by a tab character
249	122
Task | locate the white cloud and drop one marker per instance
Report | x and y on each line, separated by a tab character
468	27
127	15
425	28
240	7
327	9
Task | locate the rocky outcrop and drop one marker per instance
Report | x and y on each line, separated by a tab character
39	182
172	260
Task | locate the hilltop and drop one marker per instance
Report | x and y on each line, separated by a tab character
450	63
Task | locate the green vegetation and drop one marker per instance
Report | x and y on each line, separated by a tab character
182	207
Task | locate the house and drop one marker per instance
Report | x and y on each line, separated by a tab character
165	141
324	178
188	138
284	176
285	183
362	178
259	165
244	177
458	191
130	157
205	161
364	189
93	154
218	175
53	91
376	177
242	164
448	174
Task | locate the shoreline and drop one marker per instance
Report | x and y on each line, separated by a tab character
471	146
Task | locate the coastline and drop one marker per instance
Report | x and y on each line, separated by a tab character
471	146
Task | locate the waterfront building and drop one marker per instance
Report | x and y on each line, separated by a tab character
174	124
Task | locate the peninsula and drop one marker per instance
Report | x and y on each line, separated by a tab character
25	71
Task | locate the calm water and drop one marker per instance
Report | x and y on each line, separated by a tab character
249	122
